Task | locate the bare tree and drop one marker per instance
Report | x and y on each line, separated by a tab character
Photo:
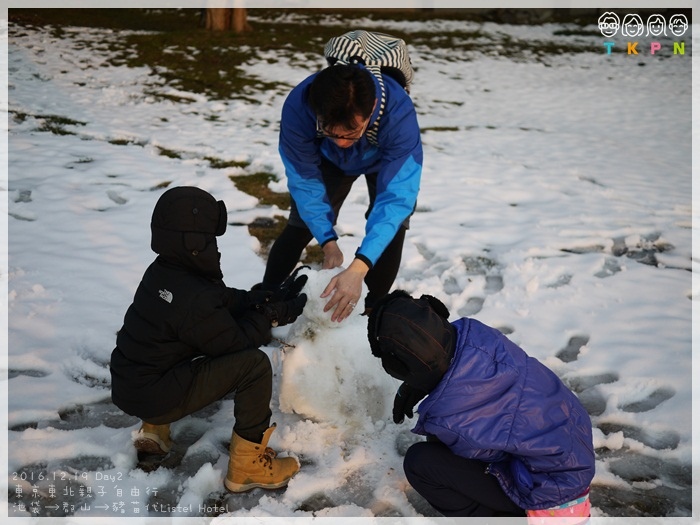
227	19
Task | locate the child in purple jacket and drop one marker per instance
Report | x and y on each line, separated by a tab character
505	436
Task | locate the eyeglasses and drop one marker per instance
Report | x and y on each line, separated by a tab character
322	133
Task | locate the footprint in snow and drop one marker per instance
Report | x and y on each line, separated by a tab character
657	439
650	402
573	348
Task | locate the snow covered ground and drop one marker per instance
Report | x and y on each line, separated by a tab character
555	205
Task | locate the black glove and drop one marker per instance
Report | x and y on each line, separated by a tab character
404	401
283	312
257	296
290	288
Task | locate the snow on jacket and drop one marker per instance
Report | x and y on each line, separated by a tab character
499	405
397	160
177	316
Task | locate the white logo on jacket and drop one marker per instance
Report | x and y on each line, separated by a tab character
166	296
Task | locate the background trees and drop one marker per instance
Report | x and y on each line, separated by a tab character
227	19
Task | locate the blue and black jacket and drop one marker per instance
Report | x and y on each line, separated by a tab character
397	160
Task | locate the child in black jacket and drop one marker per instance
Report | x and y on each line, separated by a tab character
189	340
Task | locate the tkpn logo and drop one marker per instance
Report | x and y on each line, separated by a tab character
633	26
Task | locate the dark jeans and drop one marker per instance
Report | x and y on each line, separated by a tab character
456	486
248	374
287	248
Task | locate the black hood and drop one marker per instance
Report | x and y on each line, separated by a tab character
184	226
413	338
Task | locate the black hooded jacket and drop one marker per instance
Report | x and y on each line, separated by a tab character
182	309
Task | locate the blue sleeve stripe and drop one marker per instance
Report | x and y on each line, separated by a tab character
391	207
309	194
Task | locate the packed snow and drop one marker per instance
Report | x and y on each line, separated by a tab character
555	205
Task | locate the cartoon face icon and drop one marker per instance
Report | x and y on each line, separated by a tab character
608	23
632	25
656	25
678	24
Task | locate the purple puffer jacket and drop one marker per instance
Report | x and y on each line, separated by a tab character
499	405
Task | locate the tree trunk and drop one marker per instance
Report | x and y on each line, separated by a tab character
227	19
240	21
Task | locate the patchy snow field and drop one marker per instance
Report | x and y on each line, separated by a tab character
555	205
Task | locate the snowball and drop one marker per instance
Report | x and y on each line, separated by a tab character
329	373
316	283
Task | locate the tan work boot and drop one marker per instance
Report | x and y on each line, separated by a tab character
153	439
252	465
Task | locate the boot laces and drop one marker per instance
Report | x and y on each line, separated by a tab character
267	456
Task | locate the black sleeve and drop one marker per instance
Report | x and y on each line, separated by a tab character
212	329
236	301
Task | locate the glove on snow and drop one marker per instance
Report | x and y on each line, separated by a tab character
406	398
291	287
283	312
